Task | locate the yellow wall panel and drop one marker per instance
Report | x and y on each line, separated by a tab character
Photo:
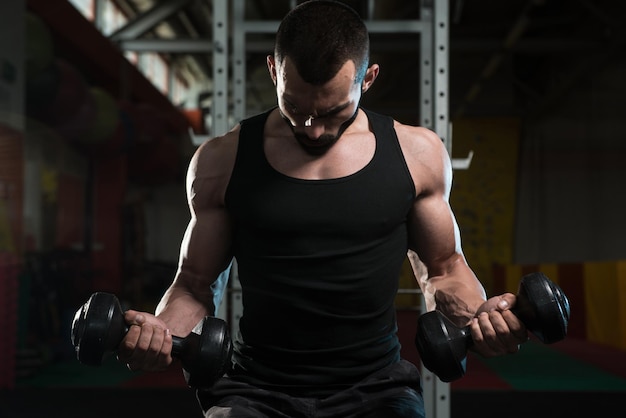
484	196
602	301
621	306
513	276
551	271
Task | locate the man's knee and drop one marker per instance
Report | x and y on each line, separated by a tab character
409	405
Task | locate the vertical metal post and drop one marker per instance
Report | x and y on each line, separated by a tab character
426	66
98	13
234	299
239	61
440	32
219	107
434	115
436	393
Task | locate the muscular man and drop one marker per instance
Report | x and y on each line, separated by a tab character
319	201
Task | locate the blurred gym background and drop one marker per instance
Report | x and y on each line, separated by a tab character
102	103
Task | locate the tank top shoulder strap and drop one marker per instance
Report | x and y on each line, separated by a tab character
250	148
387	143
379	122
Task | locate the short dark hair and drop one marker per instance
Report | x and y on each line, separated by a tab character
319	36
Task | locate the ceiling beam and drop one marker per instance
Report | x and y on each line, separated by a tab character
148	20
179	45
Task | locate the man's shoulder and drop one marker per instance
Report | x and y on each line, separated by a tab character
216	154
424	152
221	143
411	135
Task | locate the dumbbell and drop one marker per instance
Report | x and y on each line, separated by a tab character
541	305
98	329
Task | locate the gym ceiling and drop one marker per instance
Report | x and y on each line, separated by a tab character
502	54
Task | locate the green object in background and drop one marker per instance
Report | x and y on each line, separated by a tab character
73	374
540	367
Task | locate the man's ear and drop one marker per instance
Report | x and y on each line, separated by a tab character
370	77
271	67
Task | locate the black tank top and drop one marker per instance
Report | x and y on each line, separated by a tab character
319	263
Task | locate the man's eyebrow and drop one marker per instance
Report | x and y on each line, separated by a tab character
286	100
334	110
329	112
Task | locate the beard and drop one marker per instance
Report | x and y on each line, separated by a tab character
317	146
324	142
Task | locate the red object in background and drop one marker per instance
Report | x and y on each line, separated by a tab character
150	124
155	163
574	288
11	182
11	193
9	268
70	211
70	96
110	183
195	119
77	126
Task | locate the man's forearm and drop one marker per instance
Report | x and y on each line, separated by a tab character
182	309
457	293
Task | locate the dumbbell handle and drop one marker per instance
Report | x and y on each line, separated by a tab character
195	350
466	330
179	344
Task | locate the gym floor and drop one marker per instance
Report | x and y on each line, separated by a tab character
180	403
571	378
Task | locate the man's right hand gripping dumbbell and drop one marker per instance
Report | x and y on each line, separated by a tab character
99	327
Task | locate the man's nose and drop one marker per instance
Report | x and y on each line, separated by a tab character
315	130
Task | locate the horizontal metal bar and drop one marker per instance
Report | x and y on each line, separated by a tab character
204	45
396	26
258	26
168	45
374	26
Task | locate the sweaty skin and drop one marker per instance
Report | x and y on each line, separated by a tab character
441	269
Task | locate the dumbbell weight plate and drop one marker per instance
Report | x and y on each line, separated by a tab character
544	308
97	327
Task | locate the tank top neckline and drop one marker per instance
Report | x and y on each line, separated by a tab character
332	180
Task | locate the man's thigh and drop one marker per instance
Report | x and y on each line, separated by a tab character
234	399
394	392
408	404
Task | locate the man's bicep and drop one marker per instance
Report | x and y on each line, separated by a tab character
206	247
433	233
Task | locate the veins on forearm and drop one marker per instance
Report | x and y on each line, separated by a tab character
454	307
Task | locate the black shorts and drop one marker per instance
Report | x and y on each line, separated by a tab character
393	392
